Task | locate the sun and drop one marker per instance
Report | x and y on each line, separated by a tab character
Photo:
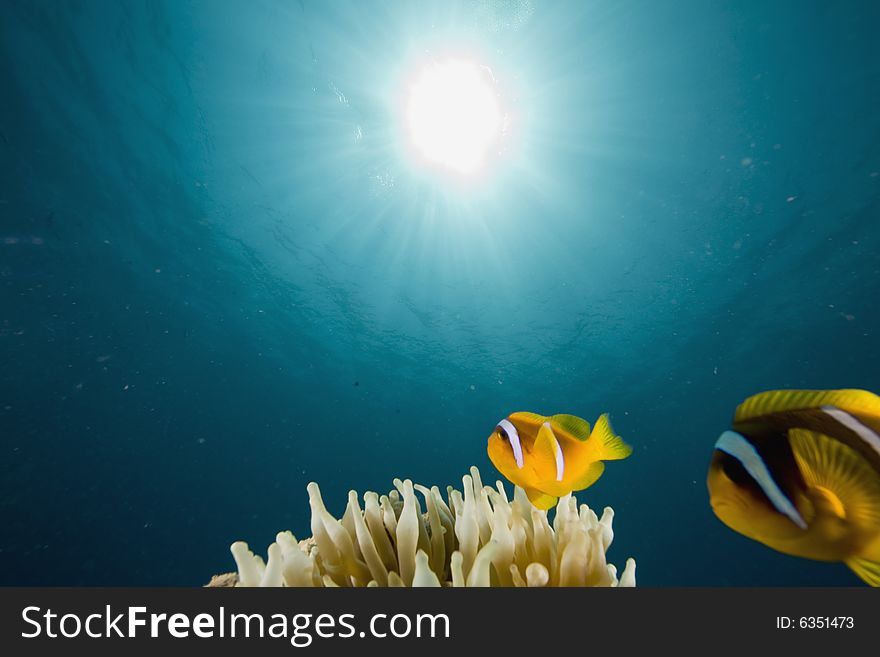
454	116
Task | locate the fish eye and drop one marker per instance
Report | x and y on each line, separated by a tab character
736	472
503	434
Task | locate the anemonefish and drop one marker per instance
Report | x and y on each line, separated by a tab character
551	456
800	473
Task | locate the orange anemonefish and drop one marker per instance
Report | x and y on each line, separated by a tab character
800	473
552	456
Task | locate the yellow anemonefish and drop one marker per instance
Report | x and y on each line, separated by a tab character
551	456
800	473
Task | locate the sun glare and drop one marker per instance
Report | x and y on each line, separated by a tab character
454	116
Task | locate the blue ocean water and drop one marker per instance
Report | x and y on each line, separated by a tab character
221	277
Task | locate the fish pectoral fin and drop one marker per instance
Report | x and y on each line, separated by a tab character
593	472
869	571
577	427
611	446
544	454
857	402
540	499
840	478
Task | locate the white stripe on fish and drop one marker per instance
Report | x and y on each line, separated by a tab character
560	459
743	451
852	423
513	437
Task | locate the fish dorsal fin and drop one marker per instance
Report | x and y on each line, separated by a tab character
611	446
869	571
572	425
544	453
858	402
541	500
529	418
589	477
847	486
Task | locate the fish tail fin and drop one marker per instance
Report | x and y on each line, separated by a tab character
869	571
611	446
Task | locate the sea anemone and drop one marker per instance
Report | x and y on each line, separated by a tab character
477	539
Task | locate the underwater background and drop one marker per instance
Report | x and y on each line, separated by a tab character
221	279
